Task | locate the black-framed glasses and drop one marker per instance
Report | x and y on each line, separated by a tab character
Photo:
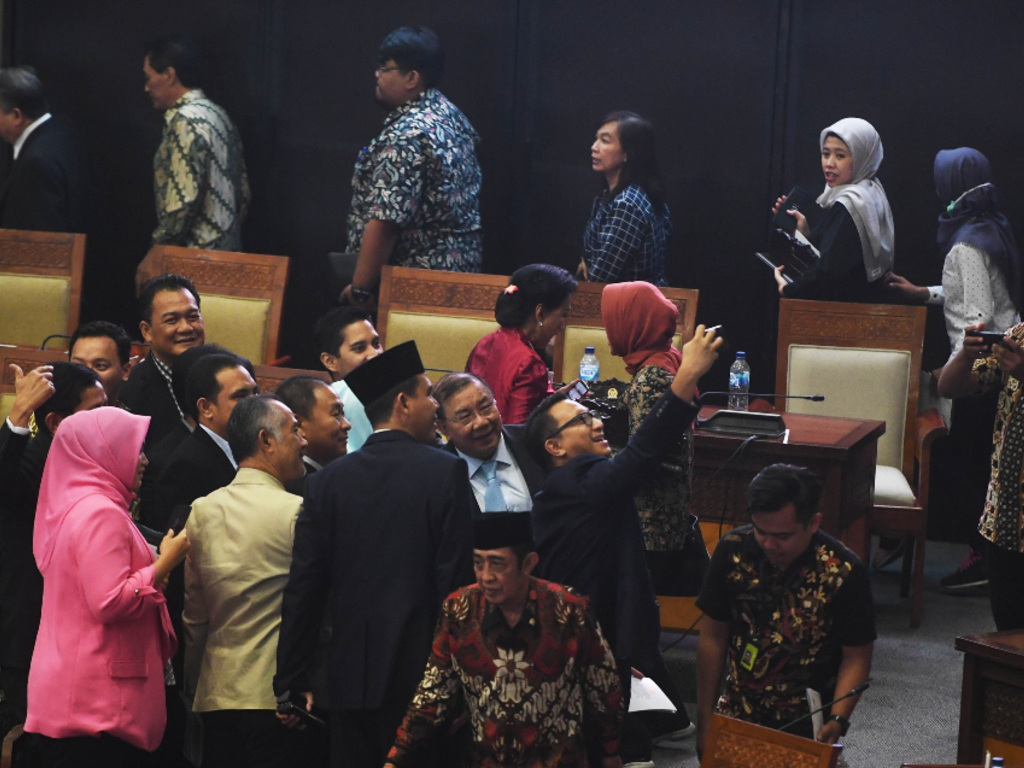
462	418
585	417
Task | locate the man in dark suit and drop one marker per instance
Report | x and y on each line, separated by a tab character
322	424
48	187
503	474
385	533
587	528
52	393
170	323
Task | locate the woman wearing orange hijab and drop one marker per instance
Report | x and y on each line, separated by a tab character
640	323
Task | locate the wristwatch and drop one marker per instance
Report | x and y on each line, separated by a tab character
843	723
362	295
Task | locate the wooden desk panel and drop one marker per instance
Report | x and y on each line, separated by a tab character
841	452
992	696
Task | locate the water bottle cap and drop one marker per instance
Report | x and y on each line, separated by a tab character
588	350
741	354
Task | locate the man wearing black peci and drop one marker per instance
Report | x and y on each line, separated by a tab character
385	535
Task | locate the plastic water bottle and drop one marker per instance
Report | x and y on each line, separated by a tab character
739	383
590	366
997	762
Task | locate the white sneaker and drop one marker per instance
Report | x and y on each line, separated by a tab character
639	764
671	740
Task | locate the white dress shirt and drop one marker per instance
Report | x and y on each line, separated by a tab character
513	484
222	444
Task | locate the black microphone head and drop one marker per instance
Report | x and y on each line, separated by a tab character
817	398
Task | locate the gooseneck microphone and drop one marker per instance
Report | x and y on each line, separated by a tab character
855	692
815	398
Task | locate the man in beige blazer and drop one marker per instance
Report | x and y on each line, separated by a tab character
234	579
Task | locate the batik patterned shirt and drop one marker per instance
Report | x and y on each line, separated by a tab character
199	177
421	173
1002	522
625	239
527	688
786	628
664	503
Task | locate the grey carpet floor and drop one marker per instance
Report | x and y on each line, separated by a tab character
911	713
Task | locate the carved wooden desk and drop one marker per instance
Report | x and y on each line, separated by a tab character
992	697
840	451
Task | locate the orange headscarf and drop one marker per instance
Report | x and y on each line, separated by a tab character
640	323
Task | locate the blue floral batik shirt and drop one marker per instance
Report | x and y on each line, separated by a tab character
421	172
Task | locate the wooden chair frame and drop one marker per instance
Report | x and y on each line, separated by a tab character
226	273
876	326
269	377
586	313
734	743
54	254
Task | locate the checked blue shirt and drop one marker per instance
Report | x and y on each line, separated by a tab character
625	239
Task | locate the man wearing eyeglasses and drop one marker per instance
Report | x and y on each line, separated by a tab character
586	524
416	186
503	475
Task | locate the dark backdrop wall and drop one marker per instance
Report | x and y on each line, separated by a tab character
738	91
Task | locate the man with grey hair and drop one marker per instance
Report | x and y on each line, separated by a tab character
242	537
47	189
503	474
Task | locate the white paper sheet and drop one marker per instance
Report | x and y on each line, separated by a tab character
645	694
818	718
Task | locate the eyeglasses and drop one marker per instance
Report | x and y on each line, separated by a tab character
462	418
586	418
382	70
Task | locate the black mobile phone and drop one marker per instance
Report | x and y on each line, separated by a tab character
292	708
798	199
578	390
990	337
178	517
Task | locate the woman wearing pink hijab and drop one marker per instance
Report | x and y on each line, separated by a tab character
640	323
96	685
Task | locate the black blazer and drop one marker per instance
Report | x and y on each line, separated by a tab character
197	468
146	393
385	534
588	532
49	187
298	485
532	472
159	456
21	586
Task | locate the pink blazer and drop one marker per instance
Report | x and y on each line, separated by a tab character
104	635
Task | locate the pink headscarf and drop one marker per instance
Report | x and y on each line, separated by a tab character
640	323
94	454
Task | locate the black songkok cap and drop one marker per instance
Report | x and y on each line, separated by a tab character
495	530
374	378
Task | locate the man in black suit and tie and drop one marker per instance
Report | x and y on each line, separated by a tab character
322	424
503	474
385	534
170	323
47	189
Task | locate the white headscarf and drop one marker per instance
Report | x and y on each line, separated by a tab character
864	198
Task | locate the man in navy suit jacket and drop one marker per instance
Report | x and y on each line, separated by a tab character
585	521
385	535
468	418
47	189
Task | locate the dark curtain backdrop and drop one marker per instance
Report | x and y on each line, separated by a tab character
738	91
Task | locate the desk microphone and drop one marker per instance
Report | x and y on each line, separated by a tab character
815	398
855	692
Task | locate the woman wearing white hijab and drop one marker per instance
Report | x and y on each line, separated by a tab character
855	237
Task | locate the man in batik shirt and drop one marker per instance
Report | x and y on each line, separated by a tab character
786	608
202	189
979	366
524	656
416	187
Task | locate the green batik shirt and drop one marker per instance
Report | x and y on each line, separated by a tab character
202	189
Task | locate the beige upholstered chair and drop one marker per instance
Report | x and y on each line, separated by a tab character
735	744
26	359
586	329
242	294
40	285
866	360
446	313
